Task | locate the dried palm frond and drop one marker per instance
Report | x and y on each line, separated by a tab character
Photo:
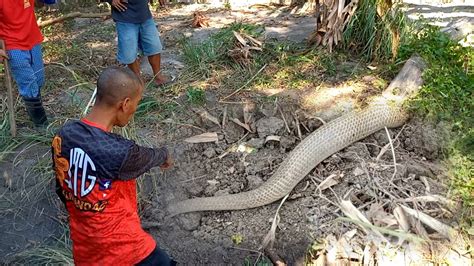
244	45
332	16
200	20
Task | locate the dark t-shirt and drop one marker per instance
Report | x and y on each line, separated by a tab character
137	11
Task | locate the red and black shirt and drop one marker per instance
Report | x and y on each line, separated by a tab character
95	174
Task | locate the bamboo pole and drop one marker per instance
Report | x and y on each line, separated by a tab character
8	84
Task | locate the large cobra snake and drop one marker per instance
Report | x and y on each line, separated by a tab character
384	111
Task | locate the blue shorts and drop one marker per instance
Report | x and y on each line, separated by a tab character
134	36
27	70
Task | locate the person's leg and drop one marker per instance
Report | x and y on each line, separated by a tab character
135	67
37	65
128	45
151	47
25	78
23	73
155	62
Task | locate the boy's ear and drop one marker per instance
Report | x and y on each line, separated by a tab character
123	104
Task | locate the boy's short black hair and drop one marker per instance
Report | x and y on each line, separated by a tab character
116	83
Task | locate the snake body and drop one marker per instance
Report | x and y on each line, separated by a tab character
319	145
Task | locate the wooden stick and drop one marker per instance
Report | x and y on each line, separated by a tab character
104	15
284	120
8	84
273	256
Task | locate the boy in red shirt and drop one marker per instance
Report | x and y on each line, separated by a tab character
96	173
23	39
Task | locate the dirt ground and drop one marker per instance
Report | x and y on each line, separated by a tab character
31	214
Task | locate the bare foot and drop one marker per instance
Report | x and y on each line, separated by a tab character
162	80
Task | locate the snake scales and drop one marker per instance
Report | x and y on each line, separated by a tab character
386	111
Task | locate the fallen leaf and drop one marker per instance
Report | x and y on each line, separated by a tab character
350	234
401	218
237	121
328	182
205	137
205	115
445	230
240	38
274	138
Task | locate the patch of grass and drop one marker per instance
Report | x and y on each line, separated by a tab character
58	252
463	173
147	105
207	56
375	36
447	94
152	109
63	50
261	261
7	144
294	68
195	96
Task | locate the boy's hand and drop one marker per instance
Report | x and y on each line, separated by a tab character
3	55
167	164
119	5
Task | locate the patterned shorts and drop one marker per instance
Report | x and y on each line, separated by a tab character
28	70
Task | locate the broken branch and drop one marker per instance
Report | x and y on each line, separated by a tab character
104	16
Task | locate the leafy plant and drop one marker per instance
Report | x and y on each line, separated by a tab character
195	96
376	30
237	239
204	57
447	94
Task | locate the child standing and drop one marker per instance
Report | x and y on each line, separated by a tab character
22	36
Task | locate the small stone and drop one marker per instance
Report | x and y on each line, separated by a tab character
235	187
222	192
418	169
358	171
209	152
190	221
210	190
254	181
195	190
287	141
212	182
256	143
231	170
269	126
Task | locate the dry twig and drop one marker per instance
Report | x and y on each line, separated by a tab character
74	15
393	154
270	237
245	85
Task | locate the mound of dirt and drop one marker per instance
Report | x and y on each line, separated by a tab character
360	172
